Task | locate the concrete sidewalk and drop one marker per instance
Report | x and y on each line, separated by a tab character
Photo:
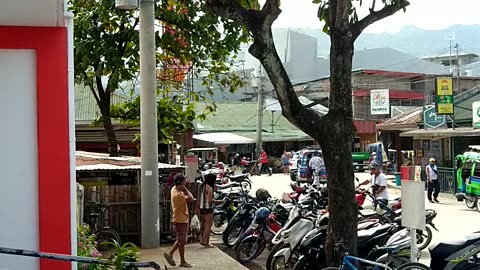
199	257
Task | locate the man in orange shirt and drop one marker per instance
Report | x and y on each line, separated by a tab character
180	196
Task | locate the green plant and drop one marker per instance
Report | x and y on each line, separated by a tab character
128	252
87	247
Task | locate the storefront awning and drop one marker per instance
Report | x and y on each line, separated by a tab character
442	133
223	138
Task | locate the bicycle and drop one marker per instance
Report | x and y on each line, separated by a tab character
348	262
102	234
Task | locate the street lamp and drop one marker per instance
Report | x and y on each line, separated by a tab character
150	216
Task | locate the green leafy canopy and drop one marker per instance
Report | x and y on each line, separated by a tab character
107	53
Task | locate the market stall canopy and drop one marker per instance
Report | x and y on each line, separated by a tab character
442	133
33	13
223	138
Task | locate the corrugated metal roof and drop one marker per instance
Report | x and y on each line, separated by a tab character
241	119
404	121
86	108
89	161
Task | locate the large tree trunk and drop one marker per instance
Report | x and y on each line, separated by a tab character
337	149
108	126
111	136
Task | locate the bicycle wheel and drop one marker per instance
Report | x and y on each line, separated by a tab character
413	265
104	236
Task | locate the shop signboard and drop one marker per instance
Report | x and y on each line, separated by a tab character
444	96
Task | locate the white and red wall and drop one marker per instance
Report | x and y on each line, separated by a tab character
37	203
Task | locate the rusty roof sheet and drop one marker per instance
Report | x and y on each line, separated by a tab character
99	161
403	122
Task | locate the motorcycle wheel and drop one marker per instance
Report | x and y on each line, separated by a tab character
246	185
470	204
307	264
252	247
279	263
413	265
427	239
274	250
232	234
219	224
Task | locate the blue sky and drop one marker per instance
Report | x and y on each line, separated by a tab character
425	14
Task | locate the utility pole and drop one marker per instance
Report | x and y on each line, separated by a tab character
149	185
260	105
150	213
457	70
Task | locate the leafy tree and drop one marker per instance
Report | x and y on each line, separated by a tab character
107	50
173	116
335	131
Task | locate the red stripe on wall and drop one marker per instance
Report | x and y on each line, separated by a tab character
50	44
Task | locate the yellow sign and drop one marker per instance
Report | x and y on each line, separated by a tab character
444	86
445	108
444	96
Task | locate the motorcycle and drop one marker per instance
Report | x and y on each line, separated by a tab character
281	255
424	237
311	249
261	231
239	223
397	250
243	179
457	254
222	214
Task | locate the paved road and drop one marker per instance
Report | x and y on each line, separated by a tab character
453	221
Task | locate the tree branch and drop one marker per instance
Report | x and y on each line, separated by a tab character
234	11
259	23
270	11
374	16
372	9
90	84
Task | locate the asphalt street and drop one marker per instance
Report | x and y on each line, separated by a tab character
453	221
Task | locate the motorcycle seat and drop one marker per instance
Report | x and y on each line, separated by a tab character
364	235
446	248
397	220
238	176
228	185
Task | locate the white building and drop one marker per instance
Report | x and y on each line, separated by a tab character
37	198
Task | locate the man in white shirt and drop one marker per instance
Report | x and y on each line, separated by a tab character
316	163
433	183
378	179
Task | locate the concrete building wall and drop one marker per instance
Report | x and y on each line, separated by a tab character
19	165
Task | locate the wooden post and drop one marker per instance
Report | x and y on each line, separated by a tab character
398	146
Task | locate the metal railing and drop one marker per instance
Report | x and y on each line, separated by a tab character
78	259
446	176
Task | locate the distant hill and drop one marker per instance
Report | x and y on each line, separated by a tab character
411	40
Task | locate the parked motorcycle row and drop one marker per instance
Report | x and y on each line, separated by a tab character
293	230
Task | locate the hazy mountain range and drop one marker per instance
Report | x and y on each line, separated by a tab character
411	40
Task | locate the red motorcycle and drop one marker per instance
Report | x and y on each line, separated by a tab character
260	234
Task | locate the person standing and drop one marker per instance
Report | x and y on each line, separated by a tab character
206	205
315	164
180	196
285	163
264	162
379	180
433	183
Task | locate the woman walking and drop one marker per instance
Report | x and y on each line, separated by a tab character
206	204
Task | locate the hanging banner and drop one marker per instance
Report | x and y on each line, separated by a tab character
476	114
444	96
379	101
